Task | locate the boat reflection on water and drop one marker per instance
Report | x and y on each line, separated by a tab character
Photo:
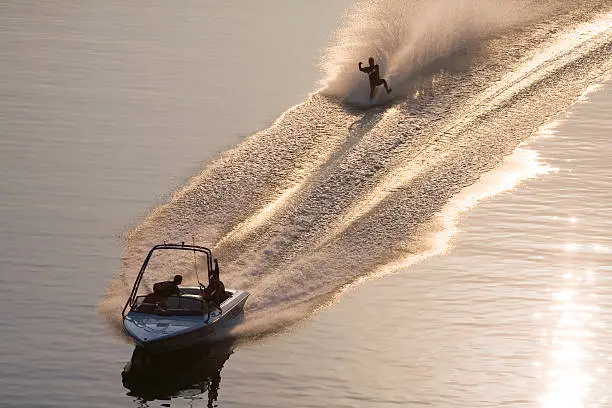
184	373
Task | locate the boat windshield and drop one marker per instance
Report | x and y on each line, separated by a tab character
170	306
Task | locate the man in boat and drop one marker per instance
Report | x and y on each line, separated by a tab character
373	72
215	291
168	288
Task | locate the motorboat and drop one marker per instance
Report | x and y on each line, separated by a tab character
163	323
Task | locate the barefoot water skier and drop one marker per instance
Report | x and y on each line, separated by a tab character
373	72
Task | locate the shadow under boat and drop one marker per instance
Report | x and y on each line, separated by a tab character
183	373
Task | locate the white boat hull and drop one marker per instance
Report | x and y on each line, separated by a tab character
157	333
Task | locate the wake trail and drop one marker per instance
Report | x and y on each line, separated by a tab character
329	195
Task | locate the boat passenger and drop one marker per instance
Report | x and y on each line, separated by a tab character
219	295
215	291
168	288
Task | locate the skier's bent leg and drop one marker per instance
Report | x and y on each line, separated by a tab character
384	83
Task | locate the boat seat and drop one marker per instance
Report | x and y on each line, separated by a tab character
170	306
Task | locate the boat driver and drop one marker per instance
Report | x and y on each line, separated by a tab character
168	288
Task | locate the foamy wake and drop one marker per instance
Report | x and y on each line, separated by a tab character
410	39
328	196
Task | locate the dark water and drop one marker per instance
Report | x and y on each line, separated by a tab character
107	108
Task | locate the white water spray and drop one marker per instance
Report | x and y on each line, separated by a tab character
411	38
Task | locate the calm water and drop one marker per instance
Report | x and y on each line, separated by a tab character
106	108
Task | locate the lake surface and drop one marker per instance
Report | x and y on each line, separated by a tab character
503	300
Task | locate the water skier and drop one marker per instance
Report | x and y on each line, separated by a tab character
373	72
